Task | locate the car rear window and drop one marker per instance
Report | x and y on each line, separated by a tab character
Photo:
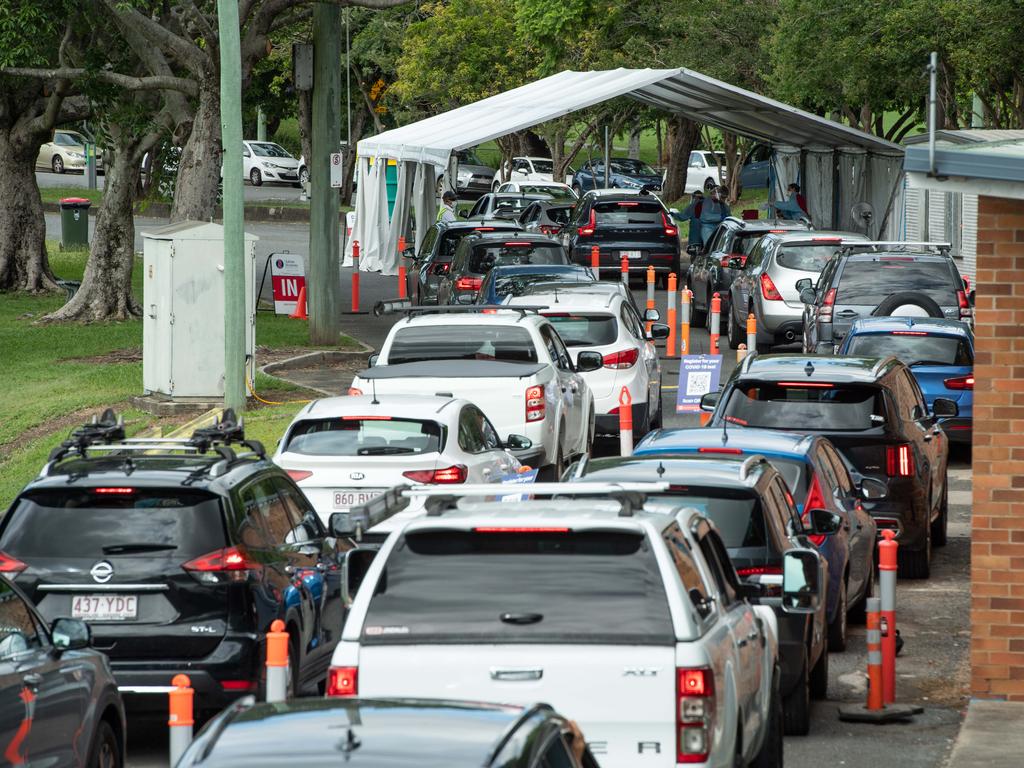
565	586
462	342
737	514
508	205
451	237
93	524
626	213
359	436
806	258
484	257
796	406
871	282
585	330
912	348
556	193
520	283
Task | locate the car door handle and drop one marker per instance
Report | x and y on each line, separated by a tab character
32	679
847	313
516	674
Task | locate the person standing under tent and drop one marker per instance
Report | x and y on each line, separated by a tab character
712	213
691	214
794	206
446	213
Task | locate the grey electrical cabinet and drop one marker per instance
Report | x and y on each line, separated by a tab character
183	312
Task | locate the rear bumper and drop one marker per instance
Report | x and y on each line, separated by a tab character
909	519
608	423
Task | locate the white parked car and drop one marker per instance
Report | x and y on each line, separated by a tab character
607	323
633	621
533	169
558	192
705	170
343	451
512	364
266	161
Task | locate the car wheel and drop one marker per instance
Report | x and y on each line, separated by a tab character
303	175
58	164
255	177
819	676
916	564
859	611
940	528
733	331
106	749
771	753
659	419
796	708
837	627
709	184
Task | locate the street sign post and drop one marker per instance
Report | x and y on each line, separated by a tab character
337	169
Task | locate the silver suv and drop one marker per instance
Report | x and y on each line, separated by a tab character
767	285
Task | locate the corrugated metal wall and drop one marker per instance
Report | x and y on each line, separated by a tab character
945	217
969	235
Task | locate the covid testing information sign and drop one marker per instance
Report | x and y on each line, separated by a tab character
698	375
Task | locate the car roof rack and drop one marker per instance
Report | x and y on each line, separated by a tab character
454	309
895	245
106	435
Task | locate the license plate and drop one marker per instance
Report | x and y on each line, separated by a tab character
346	499
630	254
104	607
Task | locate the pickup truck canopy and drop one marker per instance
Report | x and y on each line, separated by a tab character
450	369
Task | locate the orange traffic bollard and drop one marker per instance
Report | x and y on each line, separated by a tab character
300	312
716	323
625	422
624	266
874	654
277	662
595	260
181	703
887	566
751	333
355	276
401	267
670	317
650	297
684	331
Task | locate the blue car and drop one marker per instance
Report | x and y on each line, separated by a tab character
623	173
819	478
504	281
939	352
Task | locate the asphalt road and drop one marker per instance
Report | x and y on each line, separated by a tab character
269	191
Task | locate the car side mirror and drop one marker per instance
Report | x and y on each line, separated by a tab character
70	634
824	523
518	442
872	489
357	563
588	360
801	581
803	282
944	407
651	315
463	214
709	401
659	331
808	295
372	359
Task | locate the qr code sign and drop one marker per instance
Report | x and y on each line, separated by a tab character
698	383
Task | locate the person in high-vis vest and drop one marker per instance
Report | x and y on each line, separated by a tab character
446	213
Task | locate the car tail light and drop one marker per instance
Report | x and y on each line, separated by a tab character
343	681
587	230
805	384
535	406
521	529
619	360
457	473
469	283
12	566
695	708
826	239
899	460
730	451
222	566
825	313
298	474
238	685
768	289
961	382
547	229
483	229
114	491
440	268
815	500
730	256
965	307
909	333
354	392
671	230
760	570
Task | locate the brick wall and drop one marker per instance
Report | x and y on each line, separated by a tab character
997	539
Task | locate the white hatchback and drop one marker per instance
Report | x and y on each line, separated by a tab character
344	451
590	317
266	161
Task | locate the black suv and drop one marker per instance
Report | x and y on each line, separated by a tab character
713	270
873	411
179	554
885	279
637	227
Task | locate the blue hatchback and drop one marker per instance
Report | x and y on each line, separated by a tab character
939	352
818	478
504	281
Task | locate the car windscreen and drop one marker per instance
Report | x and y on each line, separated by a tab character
627	213
632	168
488	255
269	150
364	436
871	282
736	513
450	238
94	523
521	284
557	193
67	140
913	347
806	258
795	406
502	586
584	330
543	166
504	343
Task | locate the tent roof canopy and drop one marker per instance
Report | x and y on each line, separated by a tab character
678	91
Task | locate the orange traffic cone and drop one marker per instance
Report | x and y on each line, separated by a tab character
300	306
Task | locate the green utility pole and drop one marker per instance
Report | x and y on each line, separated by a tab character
234	243
323	282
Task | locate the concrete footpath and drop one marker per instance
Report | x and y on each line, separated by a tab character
991	736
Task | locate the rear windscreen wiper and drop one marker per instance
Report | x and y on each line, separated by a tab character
384	450
123	549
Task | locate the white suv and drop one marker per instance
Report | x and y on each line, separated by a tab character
606	323
633	623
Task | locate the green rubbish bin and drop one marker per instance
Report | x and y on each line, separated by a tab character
74	222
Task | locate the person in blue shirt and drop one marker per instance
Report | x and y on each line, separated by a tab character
793	207
712	213
691	214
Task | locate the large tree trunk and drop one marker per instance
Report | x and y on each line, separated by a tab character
23	262
680	141
106	291
195	194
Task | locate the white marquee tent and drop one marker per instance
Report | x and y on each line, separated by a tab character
836	165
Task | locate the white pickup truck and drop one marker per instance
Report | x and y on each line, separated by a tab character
632	623
512	364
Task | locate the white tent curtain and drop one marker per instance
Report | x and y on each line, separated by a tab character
376	219
786	167
399	217
885	192
817	186
424	201
362	209
853	187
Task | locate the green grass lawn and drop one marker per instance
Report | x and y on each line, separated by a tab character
46	378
